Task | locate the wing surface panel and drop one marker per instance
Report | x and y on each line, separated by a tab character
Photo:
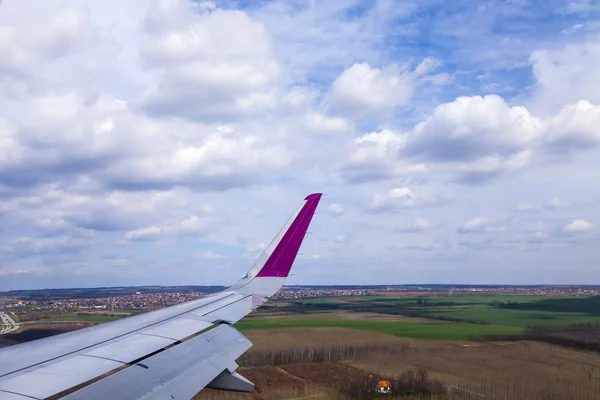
233	312
131	348
58	376
13	396
37	352
179	372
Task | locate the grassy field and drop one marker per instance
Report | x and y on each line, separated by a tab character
87	318
416	330
450	317
499	310
512	317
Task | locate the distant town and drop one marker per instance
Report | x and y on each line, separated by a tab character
145	298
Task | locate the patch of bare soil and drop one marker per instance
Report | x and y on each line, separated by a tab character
311	337
270	383
331	375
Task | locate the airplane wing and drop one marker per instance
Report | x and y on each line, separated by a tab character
170	353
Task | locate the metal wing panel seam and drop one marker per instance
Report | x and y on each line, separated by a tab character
112	339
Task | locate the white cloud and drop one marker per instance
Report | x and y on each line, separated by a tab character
374	156
362	90
319	123
62	135
211	64
225	158
418	225
207	255
341	238
552	204
566	75
480	225
148	233
473	127
473	139
577	7
336	209
572	29
256	248
365	91
192	225
312	256
524	208
578	225
399	198
557	203
576	126
23	247
175	121
26	46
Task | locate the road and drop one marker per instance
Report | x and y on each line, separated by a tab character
8	325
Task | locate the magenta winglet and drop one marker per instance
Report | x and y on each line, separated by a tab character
281	260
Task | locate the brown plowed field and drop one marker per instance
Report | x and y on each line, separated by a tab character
502	371
304	337
330	375
270	383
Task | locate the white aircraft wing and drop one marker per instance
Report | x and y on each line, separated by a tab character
170	353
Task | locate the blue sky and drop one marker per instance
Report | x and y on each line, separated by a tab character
166	142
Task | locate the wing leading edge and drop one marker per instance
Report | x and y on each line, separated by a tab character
169	353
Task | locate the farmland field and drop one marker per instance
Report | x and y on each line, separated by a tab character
498	310
323	348
441	317
417	329
502	371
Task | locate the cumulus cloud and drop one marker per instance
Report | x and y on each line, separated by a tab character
68	137
418	225
471	127
207	255
27	46
122	122
552	204
319	123
256	248
565	75
480	225
572	29
474	139
25	247
192	225
557	203
575	127
341	238
375	155
215	64
363	90
224	159
399	198
578	225
336	209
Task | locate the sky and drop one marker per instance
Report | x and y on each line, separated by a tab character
165	142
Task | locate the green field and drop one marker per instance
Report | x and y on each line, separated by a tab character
504	310
464	316
86	318
522	318
416	330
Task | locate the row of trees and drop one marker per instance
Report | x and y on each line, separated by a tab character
309	355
